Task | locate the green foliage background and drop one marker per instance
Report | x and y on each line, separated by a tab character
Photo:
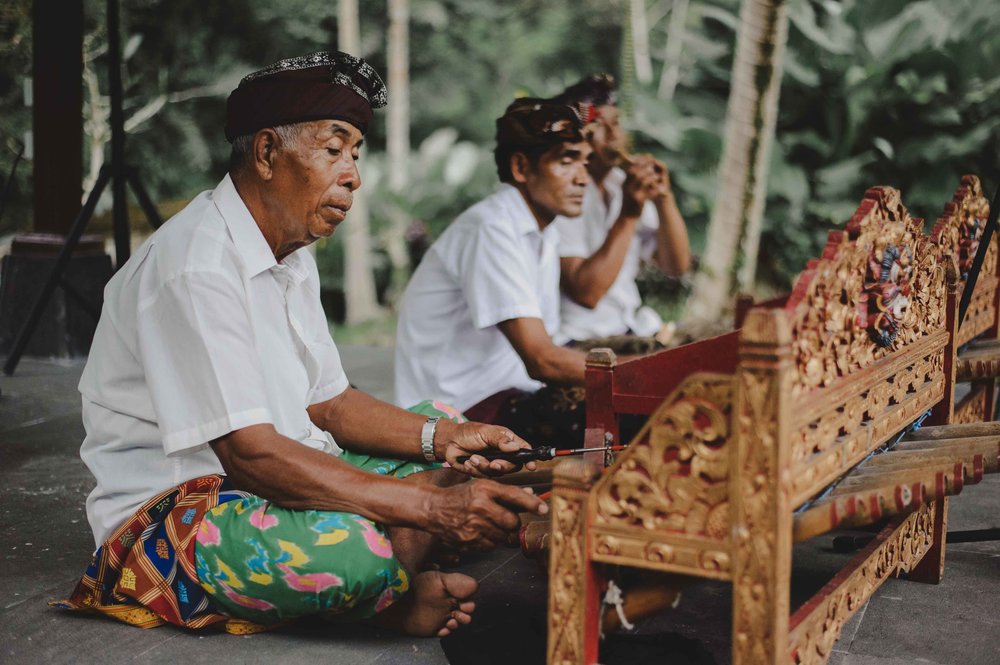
890	92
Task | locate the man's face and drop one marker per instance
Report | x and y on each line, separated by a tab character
606	135
314	179
556	184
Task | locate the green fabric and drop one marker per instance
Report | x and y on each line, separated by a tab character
264	563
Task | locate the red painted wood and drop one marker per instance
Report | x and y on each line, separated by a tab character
644	382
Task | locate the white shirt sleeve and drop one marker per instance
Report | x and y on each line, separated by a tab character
332	379
195	337
649	223
573	237
495	277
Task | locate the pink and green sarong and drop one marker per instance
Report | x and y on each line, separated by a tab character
204	553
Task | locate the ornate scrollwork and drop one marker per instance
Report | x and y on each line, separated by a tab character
957	232
816	629
884	249
972	408
758	592
675	477
567	593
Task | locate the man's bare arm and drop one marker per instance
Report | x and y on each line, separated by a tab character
362	423
473	515
260	460
673	250
543	359
586	280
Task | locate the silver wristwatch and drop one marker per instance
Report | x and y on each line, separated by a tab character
427	438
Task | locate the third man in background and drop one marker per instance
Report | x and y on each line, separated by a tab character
629	215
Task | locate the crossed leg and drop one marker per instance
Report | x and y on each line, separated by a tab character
438	603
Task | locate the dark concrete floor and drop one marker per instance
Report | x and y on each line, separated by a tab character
46	542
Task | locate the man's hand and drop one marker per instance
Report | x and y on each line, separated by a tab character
467	439
479	515
646	179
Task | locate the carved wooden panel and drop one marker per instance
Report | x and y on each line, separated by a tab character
958	230
982	307
816	626
972	408
567	596
834	427
665	502
762	538
573	583
957	233
877	287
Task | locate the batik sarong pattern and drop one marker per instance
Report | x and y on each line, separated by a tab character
138	577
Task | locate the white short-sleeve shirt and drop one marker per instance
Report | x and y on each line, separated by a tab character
202	333
621	308
492	264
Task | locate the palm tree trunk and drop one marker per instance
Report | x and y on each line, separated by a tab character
674	48
359	280
640	42
398	127
734	230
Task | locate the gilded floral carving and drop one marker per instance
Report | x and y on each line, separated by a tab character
815	631
831	308
675	477
566	590
757	600
957	233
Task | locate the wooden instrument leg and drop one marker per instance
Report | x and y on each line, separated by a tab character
574	582
930	570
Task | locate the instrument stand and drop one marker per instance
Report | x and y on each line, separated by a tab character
118	173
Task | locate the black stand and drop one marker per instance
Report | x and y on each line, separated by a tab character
118	173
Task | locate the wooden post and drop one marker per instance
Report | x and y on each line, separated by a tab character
601	419
574	583
761	514
930	569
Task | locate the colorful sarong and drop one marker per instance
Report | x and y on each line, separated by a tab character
146	573
268	564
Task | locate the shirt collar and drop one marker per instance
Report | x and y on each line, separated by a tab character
524	220
250	243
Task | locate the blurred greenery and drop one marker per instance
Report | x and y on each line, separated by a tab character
897	92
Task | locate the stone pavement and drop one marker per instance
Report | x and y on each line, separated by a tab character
45	543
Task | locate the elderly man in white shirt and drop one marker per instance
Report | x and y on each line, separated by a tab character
477	318
629	215
240	479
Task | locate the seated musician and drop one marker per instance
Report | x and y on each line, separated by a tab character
477	318
629	215
238	474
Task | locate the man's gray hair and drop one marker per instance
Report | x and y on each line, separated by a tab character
241	155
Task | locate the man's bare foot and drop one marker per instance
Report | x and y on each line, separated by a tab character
436	604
